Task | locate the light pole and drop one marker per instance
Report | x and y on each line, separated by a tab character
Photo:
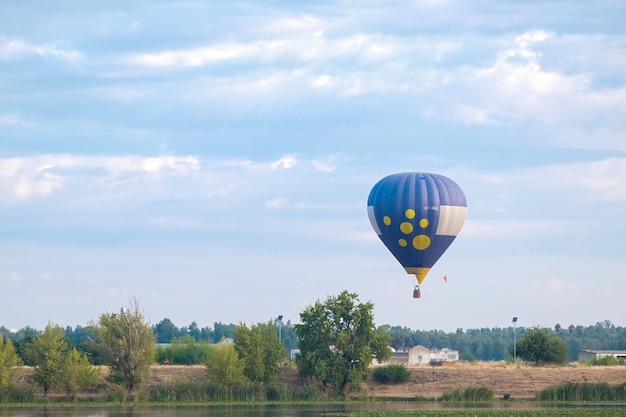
514	340
280	329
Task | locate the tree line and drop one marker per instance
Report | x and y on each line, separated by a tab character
494	344
336	338
489	344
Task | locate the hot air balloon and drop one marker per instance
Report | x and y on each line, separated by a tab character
417	215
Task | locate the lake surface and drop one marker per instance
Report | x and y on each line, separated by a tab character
308	410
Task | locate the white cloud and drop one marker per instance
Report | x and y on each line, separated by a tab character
325	165
195	57
603	180
9	167
17	48
523	43
324	81
25	177
43	175
516	87
42	183
285	162
172	163
489	229
313	48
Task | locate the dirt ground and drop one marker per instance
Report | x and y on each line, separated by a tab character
521	381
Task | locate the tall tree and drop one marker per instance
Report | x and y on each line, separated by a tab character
261	351
47	353
224	367
165	331
9	362
194	331
129	345
540	345
222	330
338	340
78	374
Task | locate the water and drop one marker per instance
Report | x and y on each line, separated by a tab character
308	410
197	411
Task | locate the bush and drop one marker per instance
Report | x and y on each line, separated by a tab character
180	353
189	391
541	345
21	393
391	374
307	392
276	392
585	391
469	394
607	361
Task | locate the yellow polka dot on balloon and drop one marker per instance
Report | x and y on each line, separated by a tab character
387	220
424	223
409	213
402	242
406	228
421	242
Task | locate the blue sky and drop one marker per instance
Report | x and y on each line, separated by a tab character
213	160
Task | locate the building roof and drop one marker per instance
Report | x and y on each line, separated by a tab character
605	351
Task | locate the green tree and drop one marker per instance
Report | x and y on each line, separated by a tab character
261	351
541	345
222	330
22	347
9	362
183	351
47	353
128	344
194	331
338	340
77	374
165	331
224	367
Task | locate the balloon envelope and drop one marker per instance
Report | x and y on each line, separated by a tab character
417	216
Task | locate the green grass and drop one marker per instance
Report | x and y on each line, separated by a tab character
584	391
391	374
469	394
569	412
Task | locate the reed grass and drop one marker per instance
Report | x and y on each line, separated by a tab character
584	391
469	394
197	391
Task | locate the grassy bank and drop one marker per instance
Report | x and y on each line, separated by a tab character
562	412
585	391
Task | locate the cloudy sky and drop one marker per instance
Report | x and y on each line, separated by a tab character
214	159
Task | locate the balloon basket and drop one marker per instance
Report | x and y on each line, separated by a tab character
417	293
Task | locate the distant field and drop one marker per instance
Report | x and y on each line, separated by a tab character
521	381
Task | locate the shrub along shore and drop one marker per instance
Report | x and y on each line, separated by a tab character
186	387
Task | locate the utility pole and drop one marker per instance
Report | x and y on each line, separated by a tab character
514	341
280	328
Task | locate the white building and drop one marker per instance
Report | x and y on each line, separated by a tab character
588	354
421	355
